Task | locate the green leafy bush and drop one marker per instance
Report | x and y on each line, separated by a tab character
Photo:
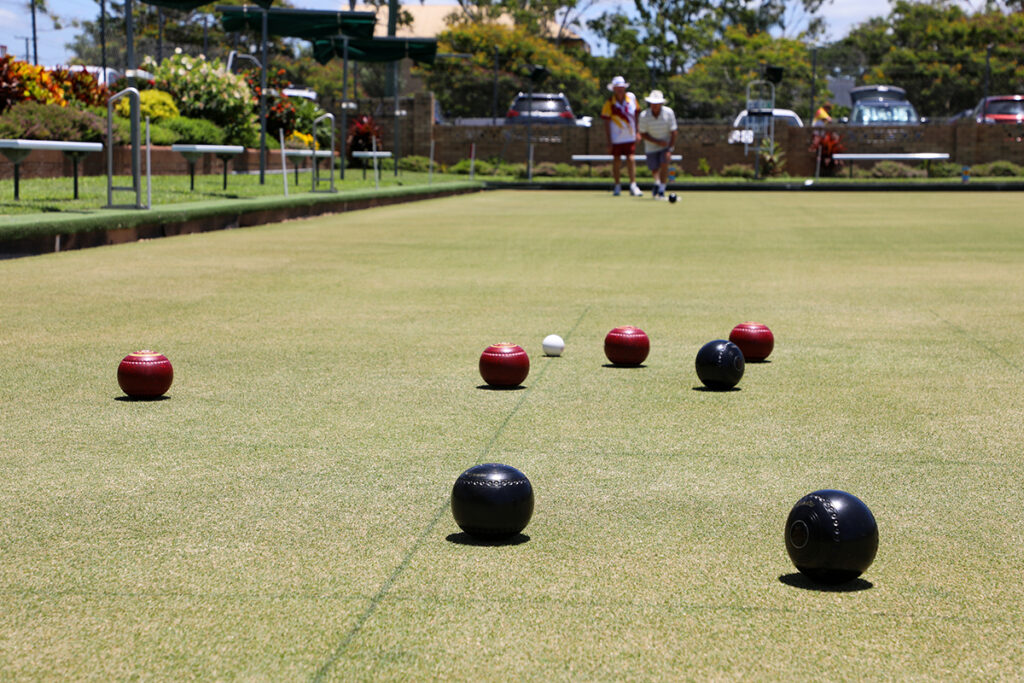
894	169
566	170
36	121
415	163
997	169
545	169
205	90
481	168
737	171
195	131
943	169
156	104
158	134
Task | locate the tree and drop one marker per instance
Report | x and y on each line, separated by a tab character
937	52
465	87
196	32
715	87
669	36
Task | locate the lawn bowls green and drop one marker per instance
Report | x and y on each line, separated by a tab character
831	536
145	374
720	364
492	501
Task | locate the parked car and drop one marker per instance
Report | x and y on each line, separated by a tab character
881	105
785	116
1000	109
543	108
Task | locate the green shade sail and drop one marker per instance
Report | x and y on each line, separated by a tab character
376	49
298	23
186	5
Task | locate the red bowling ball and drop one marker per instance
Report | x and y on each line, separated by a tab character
145	374
627	346
504	365
755	340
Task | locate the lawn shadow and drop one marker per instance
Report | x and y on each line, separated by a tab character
133	399
624	367
462	538
716	391
798	580
763	361
488	387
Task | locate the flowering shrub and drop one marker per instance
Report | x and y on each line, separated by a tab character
824	146
206	90
156	104
81	86
361	133
21	82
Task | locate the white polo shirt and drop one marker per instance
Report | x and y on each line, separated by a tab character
659	127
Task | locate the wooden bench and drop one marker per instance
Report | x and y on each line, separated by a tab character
926	157
17	150
193	152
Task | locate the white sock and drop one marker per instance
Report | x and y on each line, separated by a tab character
661	188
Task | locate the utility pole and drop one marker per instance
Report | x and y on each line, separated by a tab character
35	37
103	39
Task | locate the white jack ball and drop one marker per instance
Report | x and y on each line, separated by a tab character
553	345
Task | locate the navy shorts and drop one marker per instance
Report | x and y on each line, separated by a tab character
656	159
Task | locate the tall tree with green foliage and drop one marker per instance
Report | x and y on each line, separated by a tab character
937	52
465	87
715	87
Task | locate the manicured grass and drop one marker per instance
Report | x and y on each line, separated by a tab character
283	514
47	195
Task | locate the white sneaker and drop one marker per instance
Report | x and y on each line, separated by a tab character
635	191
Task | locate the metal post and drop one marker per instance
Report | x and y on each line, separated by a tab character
814	79
529	133
398	140
263	104
103	40
129	8
494	103
344	107
430	175
472	160
284	163
149	169
988	73
159	34
316	166
35	39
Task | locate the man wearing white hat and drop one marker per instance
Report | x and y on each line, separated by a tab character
658	130
620	114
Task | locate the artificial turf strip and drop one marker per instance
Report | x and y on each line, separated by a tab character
326	398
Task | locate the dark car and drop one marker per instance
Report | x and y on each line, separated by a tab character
882	105
542	108
1000	109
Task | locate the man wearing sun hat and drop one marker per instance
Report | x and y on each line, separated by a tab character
658	130
620	114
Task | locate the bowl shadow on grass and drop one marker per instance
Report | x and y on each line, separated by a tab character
462	538
616	366
798	580
488	387
717	391
131	399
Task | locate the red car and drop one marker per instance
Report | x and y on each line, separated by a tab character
1000	109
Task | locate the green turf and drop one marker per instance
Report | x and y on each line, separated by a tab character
283	515
56	195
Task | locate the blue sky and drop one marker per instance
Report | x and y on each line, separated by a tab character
15	20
